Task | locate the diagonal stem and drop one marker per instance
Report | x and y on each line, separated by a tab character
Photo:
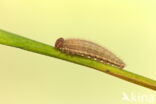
14	40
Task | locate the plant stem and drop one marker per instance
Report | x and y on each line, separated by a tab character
14	40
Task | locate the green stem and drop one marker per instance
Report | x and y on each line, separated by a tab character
14	40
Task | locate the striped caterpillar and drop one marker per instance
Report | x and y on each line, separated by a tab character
88	49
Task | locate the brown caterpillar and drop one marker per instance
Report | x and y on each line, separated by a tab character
88	49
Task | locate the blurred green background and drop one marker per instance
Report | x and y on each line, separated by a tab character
126	27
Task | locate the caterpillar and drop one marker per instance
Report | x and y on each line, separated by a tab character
88	49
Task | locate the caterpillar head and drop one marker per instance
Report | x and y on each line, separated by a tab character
59	43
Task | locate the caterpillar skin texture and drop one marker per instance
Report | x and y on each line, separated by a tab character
88	49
